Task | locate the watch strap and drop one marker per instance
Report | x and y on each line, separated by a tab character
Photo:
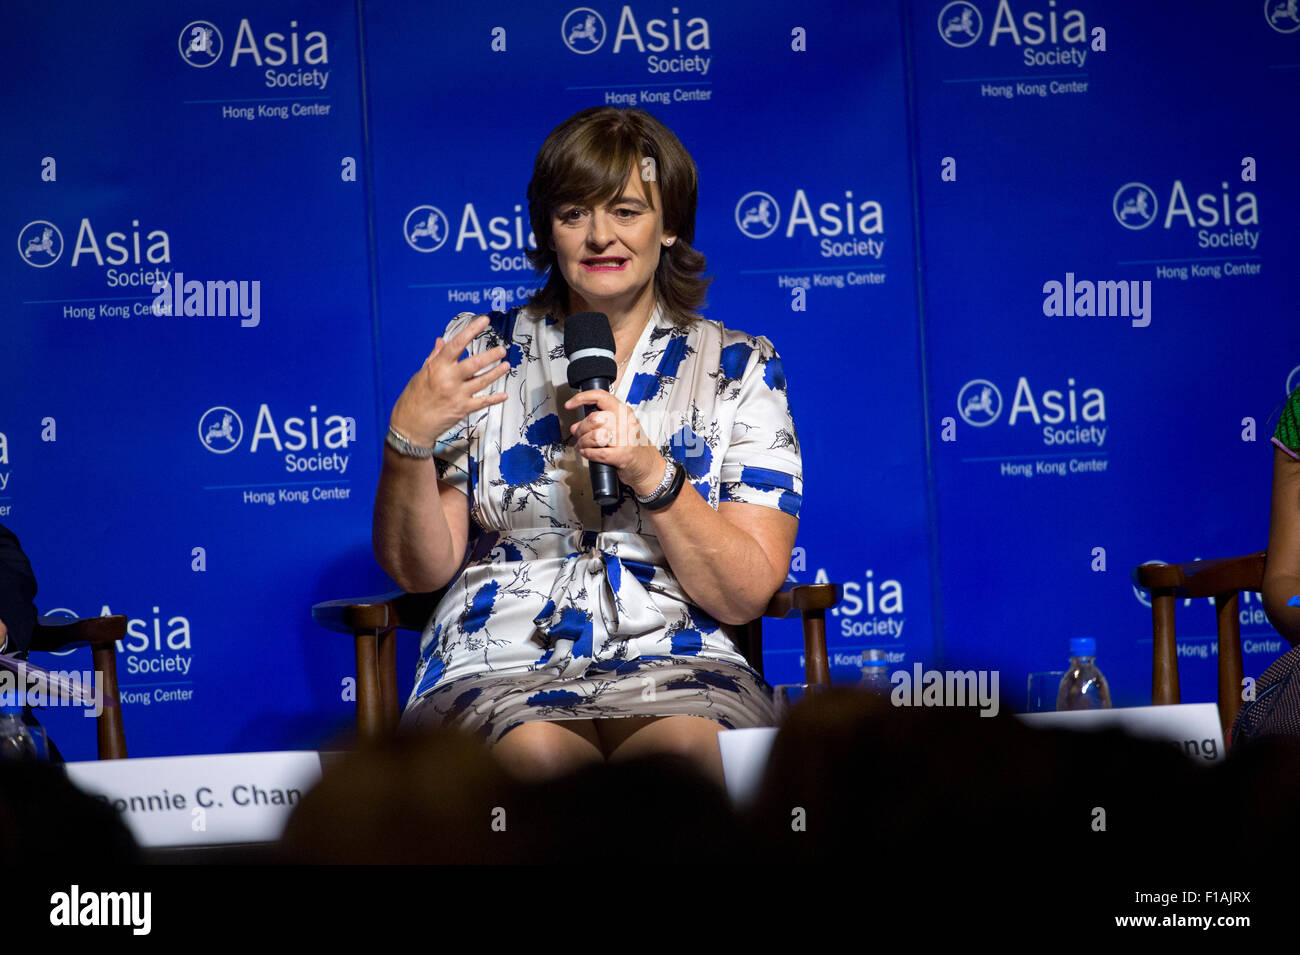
667	496
399	443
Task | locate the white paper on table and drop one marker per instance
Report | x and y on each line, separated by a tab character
1193	727
202	800
744	759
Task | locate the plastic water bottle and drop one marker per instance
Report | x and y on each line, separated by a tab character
1083	687
875	672
15	740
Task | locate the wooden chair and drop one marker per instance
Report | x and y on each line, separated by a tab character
101	635
372	622
1220	579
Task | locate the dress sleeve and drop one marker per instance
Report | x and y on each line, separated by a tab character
762	464
451	450
1287	435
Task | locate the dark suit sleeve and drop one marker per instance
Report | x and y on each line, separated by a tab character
17	592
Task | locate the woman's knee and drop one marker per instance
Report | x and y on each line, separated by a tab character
541	750
693	737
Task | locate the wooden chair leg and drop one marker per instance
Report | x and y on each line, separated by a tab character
109	731
388	680
1164	669
1230	665
816	666
370	714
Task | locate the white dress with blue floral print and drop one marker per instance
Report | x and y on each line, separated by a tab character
565	610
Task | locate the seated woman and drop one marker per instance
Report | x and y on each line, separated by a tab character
574	633
1282	567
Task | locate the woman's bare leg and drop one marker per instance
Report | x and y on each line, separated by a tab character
694	737
541	750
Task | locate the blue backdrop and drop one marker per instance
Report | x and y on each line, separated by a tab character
308	192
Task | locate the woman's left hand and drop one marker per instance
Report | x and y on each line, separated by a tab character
612	435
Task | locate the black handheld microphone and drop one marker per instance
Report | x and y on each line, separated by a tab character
589	343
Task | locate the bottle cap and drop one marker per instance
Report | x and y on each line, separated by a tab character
1083	647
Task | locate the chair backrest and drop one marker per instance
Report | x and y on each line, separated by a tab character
101	634
1221	579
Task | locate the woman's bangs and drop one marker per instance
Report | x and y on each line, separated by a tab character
596	170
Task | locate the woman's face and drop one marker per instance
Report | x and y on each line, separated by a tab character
608	254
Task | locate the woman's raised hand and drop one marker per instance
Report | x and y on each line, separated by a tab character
445	389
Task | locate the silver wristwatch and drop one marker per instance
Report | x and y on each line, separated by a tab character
669	471
402	446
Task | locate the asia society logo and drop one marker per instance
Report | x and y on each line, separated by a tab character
1282	15
979	403
200	44
220	429
1135	205
960	23
145	635
40	243
757	215
583	30
425	229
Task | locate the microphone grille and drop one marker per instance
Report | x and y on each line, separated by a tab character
587	330
587	336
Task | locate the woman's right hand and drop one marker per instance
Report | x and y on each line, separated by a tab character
444	390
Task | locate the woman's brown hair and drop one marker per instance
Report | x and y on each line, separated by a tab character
587	159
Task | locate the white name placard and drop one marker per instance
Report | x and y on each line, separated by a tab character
201	800
1192	727
744	759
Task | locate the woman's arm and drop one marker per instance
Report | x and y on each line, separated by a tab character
1282	567
730	561
421	525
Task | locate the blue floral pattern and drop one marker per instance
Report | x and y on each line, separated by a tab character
577	604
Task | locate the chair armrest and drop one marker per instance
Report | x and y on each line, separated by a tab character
59	633
1221	579
101	635
381	612
810	602
371	622
1204	578
793	599
356	613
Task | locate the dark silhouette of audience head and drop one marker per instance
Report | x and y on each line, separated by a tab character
939	793
45	818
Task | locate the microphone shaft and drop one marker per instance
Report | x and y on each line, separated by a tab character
604	477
